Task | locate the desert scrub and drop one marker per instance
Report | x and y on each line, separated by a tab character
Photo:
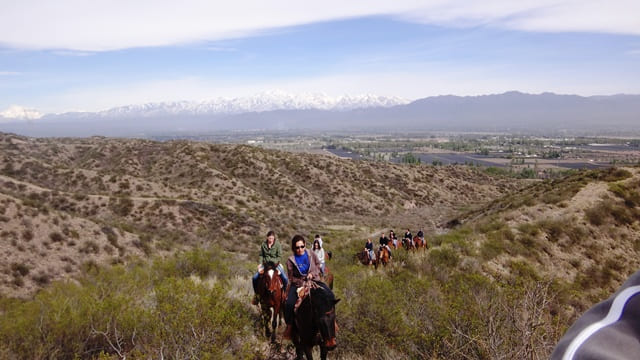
457	238
134	311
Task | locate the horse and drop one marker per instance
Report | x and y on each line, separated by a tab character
407	244
315	321
271	299
363	257
383	257
327	277
418	242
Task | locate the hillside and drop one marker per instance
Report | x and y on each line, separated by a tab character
582	229
73	201
144	249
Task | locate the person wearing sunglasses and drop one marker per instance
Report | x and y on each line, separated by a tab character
302	265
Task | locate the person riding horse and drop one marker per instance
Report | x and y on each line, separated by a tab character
270	251
369	249
393	238
302	265
407	235
384	243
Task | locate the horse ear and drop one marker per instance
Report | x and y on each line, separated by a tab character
336	301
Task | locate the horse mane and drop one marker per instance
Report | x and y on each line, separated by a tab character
322	296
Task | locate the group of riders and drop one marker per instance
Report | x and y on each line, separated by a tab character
385	242
306	264
303	265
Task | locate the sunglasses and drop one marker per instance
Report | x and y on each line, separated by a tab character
299	247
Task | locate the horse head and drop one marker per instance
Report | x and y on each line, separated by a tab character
324	309
270	280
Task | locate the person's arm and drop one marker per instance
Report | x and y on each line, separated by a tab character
278	255
314	265
293	273
608	330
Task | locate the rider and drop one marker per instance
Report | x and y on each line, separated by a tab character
420	234
302	265
393	238
384	242
319	251
369	248
407	235
317	237
270	251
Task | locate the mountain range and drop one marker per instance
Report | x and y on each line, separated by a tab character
278	111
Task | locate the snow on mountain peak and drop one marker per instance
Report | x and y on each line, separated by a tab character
265	101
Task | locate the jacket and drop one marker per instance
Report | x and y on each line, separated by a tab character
609	330
274	254
295	277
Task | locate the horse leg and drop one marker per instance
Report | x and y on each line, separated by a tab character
308	352
266	319
323	352
274	324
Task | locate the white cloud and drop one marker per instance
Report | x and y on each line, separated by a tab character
21	113
102	25
9	73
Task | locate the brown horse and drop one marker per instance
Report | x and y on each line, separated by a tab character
363	257
418	243
327	277
271	299
315	322
408	244
383	257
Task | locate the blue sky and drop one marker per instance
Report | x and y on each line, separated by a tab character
66	55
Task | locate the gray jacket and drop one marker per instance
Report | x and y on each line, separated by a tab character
609	330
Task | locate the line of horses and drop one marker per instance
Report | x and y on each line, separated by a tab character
382	256
314	320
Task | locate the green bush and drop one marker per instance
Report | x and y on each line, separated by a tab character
135	312
444	257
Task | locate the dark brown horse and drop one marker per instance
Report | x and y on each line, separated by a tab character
315	322
383	257
363	257
418	243
408	244
271	299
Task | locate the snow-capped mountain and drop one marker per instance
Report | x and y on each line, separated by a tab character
267	101
20	113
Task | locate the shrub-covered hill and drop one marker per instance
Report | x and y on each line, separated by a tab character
583	229
66	203
505	283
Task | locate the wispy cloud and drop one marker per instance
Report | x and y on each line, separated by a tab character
10	73
72	53
120	24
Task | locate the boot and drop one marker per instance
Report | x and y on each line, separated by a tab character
287	332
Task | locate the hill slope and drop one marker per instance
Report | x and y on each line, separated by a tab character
520	262
76	200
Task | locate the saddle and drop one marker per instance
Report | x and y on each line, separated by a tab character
304	291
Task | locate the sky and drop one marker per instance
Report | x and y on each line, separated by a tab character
78	55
